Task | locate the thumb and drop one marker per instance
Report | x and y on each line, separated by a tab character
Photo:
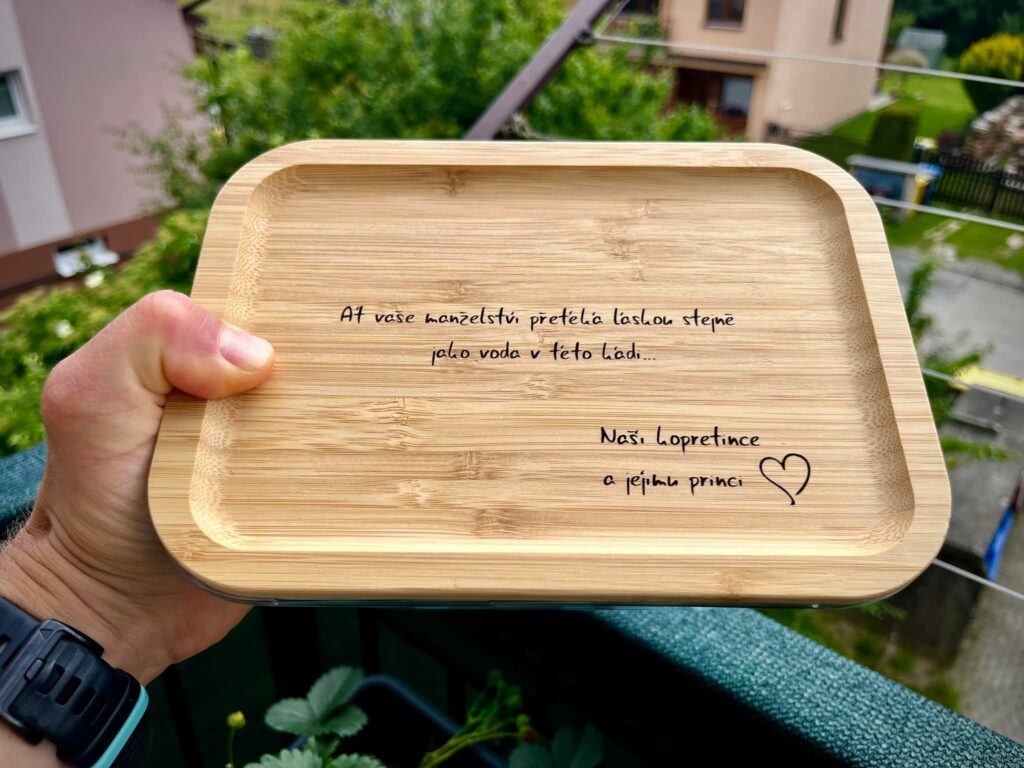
106	399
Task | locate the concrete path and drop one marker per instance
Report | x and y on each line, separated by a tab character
974	305
989	668
979	304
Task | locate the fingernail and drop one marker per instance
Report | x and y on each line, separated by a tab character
243	350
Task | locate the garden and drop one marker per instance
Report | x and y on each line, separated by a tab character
940	111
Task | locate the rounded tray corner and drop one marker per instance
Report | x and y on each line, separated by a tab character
307	228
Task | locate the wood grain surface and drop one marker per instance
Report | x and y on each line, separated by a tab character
368	468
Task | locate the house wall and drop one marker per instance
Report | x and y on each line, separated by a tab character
804	96
86	69
98	66
32	208
685	21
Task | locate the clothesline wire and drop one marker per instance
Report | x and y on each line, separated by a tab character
961	384
599	35
609	18
1001	588
883	201
682	47
973	218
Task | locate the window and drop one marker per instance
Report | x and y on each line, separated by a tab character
840	20
77	257
725	13
646	7
8	103
13	117
736	93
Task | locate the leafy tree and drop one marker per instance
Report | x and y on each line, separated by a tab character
899	21
1012	23
410	69
997	56
906	57
44	327
963	21
598	95
934	357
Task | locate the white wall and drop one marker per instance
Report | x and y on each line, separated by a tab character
30	194
808	96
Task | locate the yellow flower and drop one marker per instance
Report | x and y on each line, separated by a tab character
236	721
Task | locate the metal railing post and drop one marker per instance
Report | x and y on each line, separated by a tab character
539	70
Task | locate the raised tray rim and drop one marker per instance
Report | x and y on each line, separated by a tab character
714	579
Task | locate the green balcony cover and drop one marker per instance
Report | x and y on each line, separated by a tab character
803	688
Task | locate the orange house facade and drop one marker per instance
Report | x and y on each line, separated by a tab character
756	96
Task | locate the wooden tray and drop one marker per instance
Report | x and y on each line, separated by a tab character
383	462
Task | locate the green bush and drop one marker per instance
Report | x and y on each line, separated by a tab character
1002	56
45	326
899	21
894	132
405	69
963	21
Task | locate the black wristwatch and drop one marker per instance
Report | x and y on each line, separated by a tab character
55	685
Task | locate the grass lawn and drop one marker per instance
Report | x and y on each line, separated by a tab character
231	19
833	147
971	241
943	104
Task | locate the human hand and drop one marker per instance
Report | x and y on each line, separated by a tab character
89	555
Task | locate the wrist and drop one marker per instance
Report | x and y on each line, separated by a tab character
41	577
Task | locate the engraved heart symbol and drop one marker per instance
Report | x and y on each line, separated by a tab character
796	475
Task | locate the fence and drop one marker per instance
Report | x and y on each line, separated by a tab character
964	181
967	182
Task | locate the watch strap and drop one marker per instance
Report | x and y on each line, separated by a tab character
15	627
55	685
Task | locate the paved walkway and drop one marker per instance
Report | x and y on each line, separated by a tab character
989	669
980	304
974	305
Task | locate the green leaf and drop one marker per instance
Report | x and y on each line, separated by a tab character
589	749
288	758
322	746
332	689
572	750
348	722
530	756
355	761
293	716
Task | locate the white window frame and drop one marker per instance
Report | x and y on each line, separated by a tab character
68	260
19	123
